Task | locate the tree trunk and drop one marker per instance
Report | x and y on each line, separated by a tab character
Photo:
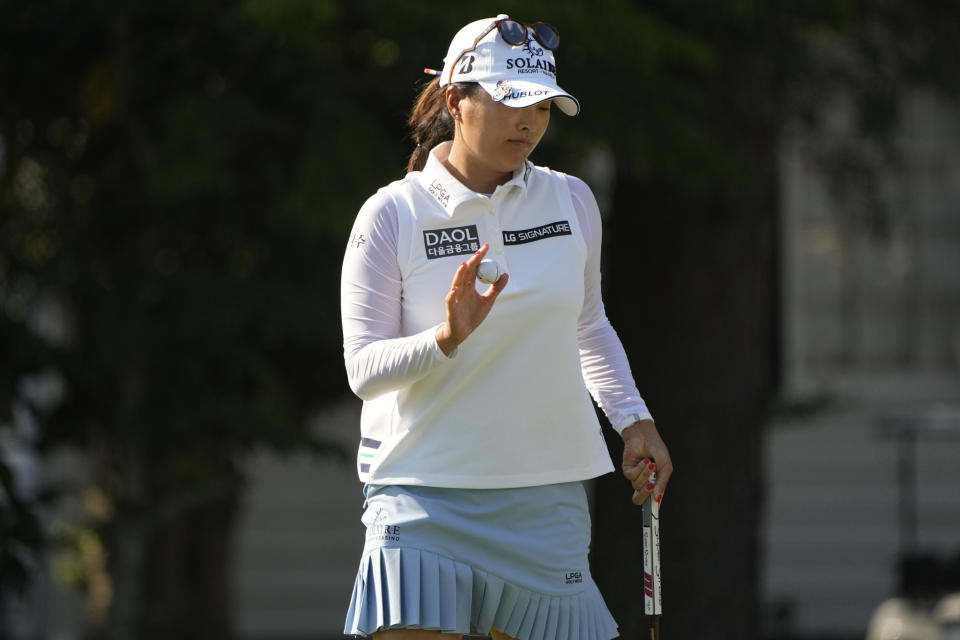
170	552
127	551
188	573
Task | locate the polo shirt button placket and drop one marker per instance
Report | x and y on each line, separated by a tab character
496	240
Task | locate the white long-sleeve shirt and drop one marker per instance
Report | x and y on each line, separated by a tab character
510	407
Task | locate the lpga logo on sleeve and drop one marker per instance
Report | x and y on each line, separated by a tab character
454	241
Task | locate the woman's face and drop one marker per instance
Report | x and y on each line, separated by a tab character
496	137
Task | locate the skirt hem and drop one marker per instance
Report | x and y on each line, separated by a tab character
406	587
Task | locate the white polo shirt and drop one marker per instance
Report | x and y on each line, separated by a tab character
511	406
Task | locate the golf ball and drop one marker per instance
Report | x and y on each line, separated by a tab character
488	271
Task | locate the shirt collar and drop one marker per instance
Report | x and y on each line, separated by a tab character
451	193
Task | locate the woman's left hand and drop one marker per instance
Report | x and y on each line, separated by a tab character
645	454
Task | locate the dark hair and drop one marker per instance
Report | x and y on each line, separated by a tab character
430	122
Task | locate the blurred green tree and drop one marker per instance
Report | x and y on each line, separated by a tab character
175	205
177	181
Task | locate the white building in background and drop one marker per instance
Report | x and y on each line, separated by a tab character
299	540
871	352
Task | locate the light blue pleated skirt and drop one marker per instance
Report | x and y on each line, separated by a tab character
468	560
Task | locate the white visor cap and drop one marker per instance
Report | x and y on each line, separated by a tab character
515	76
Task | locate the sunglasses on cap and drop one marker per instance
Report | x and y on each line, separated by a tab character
516	33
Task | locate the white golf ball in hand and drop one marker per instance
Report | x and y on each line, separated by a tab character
488	271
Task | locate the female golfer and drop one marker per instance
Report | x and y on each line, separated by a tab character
477	427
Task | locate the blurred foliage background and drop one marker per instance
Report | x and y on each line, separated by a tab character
178	180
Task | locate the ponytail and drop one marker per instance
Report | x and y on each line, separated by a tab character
430	122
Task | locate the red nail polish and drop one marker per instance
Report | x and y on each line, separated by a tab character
659	498
645	461
651	466
650	485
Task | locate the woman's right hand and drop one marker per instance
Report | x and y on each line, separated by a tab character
466	307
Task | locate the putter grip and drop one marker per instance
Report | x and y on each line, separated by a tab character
652	596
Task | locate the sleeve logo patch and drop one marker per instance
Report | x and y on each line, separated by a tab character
357	240
559	228
455	241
